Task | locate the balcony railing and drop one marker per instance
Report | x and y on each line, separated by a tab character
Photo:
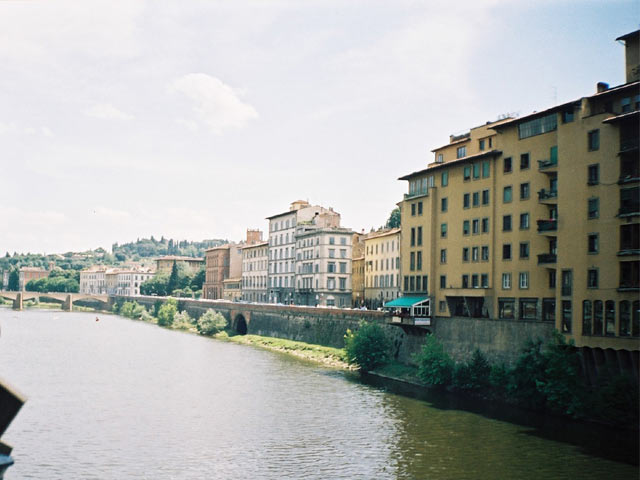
629	210
417	193
629	144
545	164
629	178
544	258
547	194
547	225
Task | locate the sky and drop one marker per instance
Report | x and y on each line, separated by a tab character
197	119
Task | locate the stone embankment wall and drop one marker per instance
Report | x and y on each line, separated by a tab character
499	340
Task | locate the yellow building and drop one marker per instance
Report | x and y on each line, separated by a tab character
535	219
191	264
382	267
357	282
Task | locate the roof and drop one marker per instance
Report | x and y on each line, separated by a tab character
455	142
219	247
621	117
406	302
386	233
253	245
629	36
617	89
281	214
180	258
436	166
533	115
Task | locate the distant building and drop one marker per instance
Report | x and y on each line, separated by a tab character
255	261
93	280
191	264
216	271
232	289
382	266
357	282
26	274
102	280
282	246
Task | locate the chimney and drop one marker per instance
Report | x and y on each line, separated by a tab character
602	87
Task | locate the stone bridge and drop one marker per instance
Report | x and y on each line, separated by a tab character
65	299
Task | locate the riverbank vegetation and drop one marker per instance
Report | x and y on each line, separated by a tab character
546	377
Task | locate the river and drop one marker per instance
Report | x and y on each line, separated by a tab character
121	399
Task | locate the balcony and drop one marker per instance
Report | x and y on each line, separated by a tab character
629	210
629	178
546	258
547	225
547	164
417	193
629	145
547	196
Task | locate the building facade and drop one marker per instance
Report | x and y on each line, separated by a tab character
535	219
282	246
255	261
382	267
125	281
190	264
217	260
93	280
26	274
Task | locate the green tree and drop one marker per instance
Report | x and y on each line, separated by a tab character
14	280
198	280
435	366
394	218
167	312
211	322
174	279
158	285
368	347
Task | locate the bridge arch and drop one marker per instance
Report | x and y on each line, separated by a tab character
240	324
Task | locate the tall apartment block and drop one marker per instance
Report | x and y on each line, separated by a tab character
536	219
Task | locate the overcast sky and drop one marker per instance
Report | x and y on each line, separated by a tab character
198	119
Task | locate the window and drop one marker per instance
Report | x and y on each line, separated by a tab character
476	171
465	227
332	240
593	174
439	158
476	199
630	237
566	316
466	173
443	255
474	281
625	318
507	194
331	267
552	279
524	221
506	308
481	144
465	200
412	261
567	282
331	283
567	116
413	236
332	253
587	315
524	250
524	161
592	278
444	178
419	236
629	200
443	281
474	254
524	191
507	168
413	209
443	230
549	310
485	225
506	251
343	267
343	253
419	208
486	169
484	280
593	139
485	197
506	223
592	243
523	280
528	309
597	318
538	126
443	204
419	261
485	253
593	207
465	281
442	306
465	254
475	226
609	318
461	152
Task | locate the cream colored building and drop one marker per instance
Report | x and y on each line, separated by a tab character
126	282
191	264
255	261
535	219
93	280
232	289
382	266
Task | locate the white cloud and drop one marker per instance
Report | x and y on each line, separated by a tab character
108	112
216	104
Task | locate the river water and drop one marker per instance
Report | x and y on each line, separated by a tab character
120	399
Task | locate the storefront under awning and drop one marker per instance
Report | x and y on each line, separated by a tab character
413	310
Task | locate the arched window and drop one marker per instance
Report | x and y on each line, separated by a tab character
635	324
610	317
625	318
587	315
597	317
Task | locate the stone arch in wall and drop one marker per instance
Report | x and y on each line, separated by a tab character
240	324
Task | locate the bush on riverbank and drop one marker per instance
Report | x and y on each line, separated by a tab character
167	312
435	366
182	321
211	323
368	347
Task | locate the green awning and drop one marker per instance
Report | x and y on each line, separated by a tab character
406	302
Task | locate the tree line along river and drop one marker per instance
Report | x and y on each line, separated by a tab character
116	398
